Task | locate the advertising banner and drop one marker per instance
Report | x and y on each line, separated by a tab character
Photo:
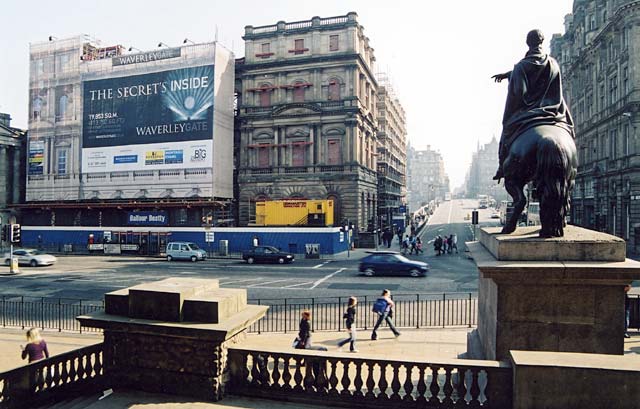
36	157
159	120
150	218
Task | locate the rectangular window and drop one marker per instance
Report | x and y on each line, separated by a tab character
266	48
61	164
298	93
299	44
334	91
625	135
333	43
625	80
265	98
299	155
263	157
333	152
613	89
613	144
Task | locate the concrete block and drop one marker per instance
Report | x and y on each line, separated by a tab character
214	306
163	300
578	244
117	302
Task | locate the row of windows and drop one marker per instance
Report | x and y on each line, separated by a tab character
298	47
607	146
299	92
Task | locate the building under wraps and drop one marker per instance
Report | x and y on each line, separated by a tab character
117	137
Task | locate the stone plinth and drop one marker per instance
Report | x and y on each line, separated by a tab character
183	354
545	304
578	244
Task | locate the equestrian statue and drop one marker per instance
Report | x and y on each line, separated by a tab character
537	142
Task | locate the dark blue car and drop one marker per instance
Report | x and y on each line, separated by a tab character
391	263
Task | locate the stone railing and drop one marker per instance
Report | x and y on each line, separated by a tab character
66	375
345	380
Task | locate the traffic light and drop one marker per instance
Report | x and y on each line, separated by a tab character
15	233
474	217
5	229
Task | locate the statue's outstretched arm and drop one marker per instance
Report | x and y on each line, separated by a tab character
500	77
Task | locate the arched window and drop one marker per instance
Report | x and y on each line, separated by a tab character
265	98
337	214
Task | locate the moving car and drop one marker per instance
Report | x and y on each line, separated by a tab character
391	263
184	250
267	254
495	215
31	257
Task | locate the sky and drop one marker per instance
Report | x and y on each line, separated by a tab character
439	55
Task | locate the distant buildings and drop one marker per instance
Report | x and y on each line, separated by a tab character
599	57
392	153
427	179
307	118
484	164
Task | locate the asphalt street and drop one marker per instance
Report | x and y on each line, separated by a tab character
89	277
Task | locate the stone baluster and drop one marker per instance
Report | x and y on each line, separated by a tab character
346	381
276	374
408	384
371	383
308	374
297	377
382	382
286	377
255	376
333	379
475	390
448	387
460	387
395	382
358	380
64	374
422	385
434	388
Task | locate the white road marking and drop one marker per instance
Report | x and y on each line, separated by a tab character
297	285
269	282
241	281
450	210
322	264
325	278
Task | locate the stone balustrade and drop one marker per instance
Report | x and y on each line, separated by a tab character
347	380
70	374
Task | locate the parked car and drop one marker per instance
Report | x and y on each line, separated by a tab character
31	257
267	254
185	250
391	263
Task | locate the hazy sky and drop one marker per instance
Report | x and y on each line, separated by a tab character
440	55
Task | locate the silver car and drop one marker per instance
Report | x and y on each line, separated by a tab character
31	257
183	250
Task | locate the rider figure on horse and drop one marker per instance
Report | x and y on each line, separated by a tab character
534	97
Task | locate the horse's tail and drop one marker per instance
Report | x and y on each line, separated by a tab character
553	184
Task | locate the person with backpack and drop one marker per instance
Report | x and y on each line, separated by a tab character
413	245
384	308
350	319
405	245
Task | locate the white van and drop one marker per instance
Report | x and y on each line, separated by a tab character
184	250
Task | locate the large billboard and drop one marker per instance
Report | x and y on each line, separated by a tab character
160	120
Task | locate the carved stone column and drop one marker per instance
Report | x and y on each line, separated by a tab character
17	175
3	176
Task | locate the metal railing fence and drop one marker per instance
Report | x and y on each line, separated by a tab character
443	310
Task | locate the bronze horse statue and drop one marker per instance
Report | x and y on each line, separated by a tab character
537	143
546	155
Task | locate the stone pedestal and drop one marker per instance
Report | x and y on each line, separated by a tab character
562	294
171	336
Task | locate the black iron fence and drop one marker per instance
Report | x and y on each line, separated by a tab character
444	310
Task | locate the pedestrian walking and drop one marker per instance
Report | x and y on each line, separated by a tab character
350	322
414	244
454	242
405	245
36	349
419	246
384	308
255	241
437	245
444	244
303	341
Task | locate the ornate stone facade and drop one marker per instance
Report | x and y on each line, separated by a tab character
392	153
599	54
307	121
12	164
427	178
